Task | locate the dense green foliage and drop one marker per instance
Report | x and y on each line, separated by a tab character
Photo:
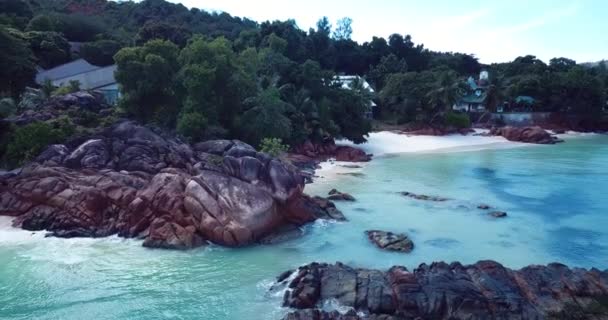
147	76
28	141
273	146
17	66
210	89
211	75
457	120
101	52
561	86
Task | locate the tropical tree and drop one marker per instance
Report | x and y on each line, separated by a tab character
17	65
266	117
216	80
494	94
146	76
101	52
388	65
344	29
446	92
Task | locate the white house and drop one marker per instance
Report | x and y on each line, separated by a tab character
474	99
89	76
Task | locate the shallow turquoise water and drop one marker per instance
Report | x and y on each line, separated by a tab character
556	198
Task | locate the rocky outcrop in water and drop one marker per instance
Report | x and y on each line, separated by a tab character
336	195
498	214
328	149
423	197
308	155
132	181
390	241
525	134
485	290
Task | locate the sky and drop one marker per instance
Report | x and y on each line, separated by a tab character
495	31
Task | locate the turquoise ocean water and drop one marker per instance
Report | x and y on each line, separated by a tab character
556	198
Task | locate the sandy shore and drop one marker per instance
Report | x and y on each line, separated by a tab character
385	143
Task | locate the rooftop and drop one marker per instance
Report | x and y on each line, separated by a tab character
65	70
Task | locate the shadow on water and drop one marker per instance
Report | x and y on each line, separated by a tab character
567	243
561	203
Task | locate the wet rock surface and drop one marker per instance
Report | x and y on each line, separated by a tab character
498	214
390	241
525	134
484	290
336	195
139	183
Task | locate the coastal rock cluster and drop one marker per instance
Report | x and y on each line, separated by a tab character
135	182
308	155
525	134
328	149
484	290
390	241
423	197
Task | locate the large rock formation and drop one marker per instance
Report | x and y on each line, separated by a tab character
132	181
525	134
328	149
62	105
485	290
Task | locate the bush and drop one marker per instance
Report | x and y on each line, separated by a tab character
273	146
30	140
457	120
7	107
192	125
101	52
31	99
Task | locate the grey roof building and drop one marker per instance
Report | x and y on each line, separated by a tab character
90	77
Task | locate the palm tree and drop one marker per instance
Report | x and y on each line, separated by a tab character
494	94
448	90
494	97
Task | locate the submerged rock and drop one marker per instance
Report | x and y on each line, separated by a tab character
423	197
485	290
483	207
352	174
336	195
138	183
390	241
497	214
283	234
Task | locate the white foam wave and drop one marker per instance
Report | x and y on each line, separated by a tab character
35	246
385	142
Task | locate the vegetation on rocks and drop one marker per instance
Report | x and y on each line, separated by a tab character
273	146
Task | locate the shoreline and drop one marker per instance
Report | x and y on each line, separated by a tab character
396	144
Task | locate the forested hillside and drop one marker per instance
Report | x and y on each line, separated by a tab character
209	75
